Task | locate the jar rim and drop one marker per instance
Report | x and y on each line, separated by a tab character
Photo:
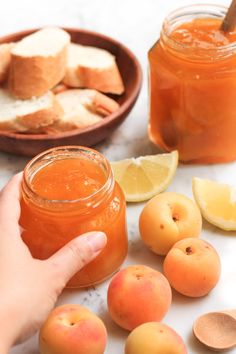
196	11
51	155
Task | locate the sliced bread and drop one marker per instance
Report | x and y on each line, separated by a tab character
38	62
5	59
93	68
94	101
59	88
30	115
77	115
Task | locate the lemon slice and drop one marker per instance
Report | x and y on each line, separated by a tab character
145	176
217	202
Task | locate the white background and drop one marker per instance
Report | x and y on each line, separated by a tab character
137	24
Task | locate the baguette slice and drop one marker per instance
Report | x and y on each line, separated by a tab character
30	115
38	62
93	68
59	88
77	115
94	101
5	59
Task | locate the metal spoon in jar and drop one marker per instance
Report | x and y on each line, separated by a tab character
216	330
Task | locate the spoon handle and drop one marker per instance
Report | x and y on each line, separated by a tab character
229	21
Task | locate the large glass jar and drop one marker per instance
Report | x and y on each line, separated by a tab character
193	86
67	191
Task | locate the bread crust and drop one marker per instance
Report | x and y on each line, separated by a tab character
5	59
59	88
92	75
35	122
101	104
71	79
62	125
107	80
33	76
92	106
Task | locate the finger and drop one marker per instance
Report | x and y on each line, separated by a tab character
10	203
77	253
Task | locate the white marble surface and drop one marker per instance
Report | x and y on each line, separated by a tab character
137	24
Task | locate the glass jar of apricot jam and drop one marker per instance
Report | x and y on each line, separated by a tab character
67	191
193	86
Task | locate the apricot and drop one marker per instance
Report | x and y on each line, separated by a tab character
192	267
138	294
153	338
168	218
72	329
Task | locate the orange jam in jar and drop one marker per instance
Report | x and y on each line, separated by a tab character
67	191
193	86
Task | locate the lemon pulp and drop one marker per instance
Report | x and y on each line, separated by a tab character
217	202
143	177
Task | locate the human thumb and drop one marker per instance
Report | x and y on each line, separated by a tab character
77	253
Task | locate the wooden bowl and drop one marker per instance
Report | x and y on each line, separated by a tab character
130	69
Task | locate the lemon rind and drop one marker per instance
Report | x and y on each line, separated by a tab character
161	187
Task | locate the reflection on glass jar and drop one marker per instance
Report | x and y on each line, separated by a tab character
67	191
193	86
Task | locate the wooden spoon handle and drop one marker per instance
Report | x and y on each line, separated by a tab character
229	21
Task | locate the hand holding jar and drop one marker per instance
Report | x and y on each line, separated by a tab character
68	191
30	287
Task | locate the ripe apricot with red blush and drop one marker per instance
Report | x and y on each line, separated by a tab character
138	294
72	329
192	267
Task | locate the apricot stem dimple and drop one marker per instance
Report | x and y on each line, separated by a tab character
189	250
175	217
138	276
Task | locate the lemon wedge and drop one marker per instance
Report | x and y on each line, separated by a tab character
143	177
217	202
